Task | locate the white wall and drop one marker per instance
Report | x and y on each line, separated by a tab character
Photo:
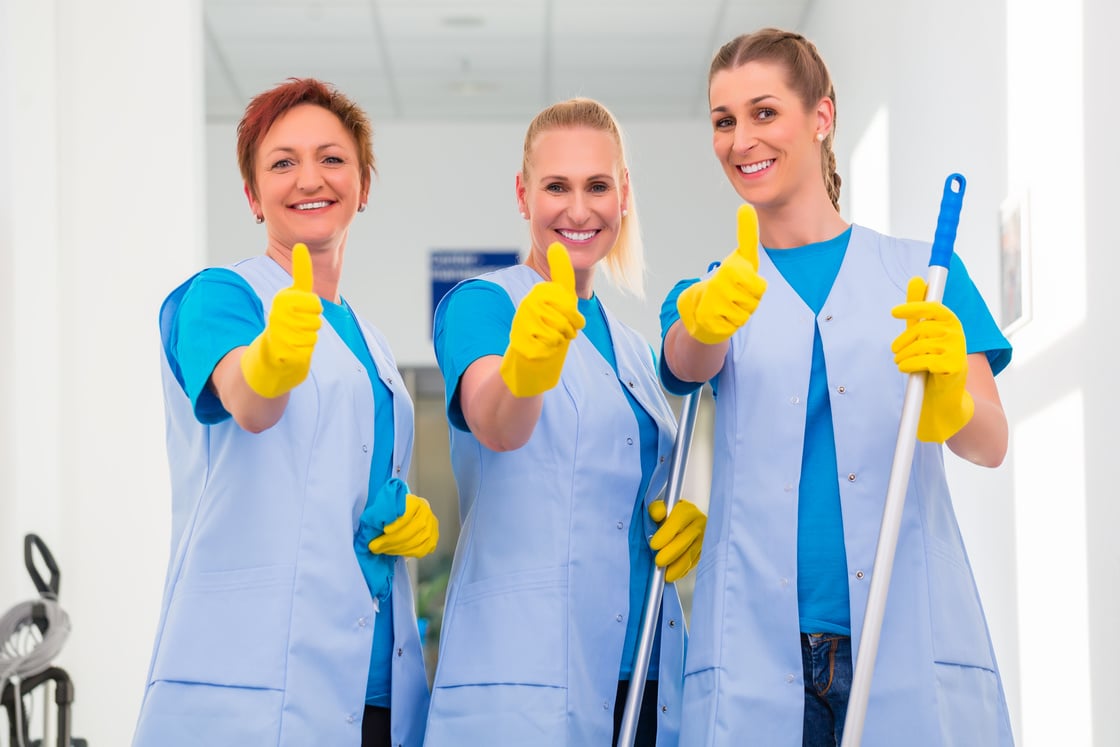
9	523
28	258
101	142
1099	351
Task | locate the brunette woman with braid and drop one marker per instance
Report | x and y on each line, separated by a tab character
807	333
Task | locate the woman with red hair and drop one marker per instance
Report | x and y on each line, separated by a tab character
288	618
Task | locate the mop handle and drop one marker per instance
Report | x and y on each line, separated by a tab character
652	607
944	238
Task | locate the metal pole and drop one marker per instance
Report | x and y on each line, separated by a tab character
651	610
942	252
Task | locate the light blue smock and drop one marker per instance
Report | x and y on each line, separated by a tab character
538	602
267	625
936	681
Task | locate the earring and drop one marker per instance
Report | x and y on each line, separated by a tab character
260	219
624	212
524	215
820	137
362	208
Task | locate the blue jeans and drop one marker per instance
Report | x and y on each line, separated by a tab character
375	727
826	662
646	733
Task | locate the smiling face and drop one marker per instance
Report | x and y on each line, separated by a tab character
573	191
765	137
308	179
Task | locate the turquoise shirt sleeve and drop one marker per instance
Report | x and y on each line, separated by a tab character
472	322
982	334
670	316
219	312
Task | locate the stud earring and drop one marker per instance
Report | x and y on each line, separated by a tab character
524	215
624	212
820	137
260	219
362	208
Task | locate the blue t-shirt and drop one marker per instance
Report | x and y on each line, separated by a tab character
341	317
822	564
474	322
220	312
822	586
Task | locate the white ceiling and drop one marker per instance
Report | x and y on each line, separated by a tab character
479	59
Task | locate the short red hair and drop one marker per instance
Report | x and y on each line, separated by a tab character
265	108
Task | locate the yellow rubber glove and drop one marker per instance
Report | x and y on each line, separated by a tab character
414	534
713	309
280	358
546	321
678	540
934	342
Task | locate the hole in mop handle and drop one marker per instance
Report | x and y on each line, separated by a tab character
947	219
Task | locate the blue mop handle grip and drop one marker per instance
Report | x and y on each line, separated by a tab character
947	219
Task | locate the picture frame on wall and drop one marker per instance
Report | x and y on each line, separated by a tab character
1015	262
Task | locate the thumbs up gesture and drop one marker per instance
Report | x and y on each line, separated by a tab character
713	309
280	358
546	321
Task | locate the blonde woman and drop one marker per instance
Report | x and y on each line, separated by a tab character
560	438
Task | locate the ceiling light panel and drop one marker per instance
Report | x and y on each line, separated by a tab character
286	57
443	20
640	56
426	55
294	22
625	18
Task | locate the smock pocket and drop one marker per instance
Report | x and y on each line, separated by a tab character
706	620
498	716
970	701
178	714
959	632
228	628
510	629
698	705
970	707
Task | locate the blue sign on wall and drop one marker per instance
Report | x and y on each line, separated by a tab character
449	266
